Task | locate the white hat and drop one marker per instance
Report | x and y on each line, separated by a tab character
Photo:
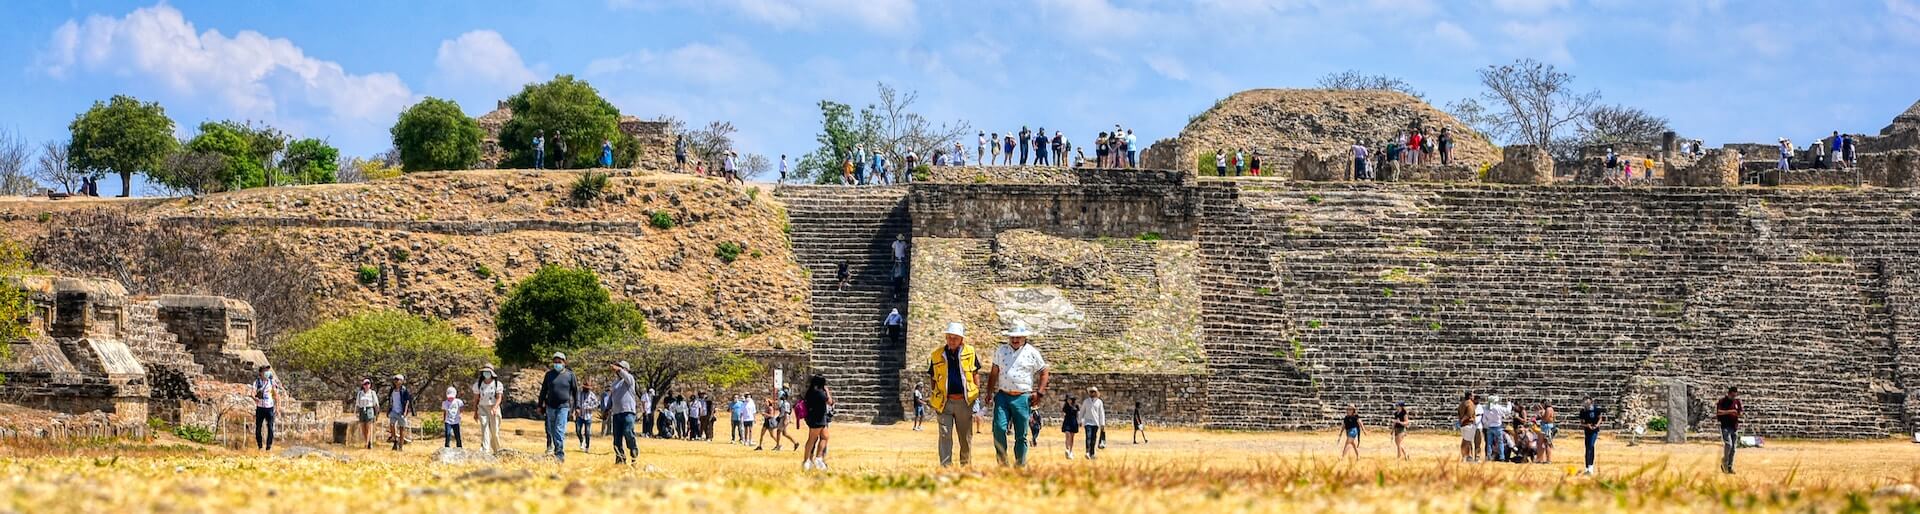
451	392
558	355
957	328
1019	329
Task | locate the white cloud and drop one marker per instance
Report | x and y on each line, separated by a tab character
889	16
1528	7
483	56
727	64
1167	66
1452	34
249	71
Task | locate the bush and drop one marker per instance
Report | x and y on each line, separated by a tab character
482	270
402	255
589	187
660	220
1203	166
727	251
561	309
1657	424
338	353
922	173
432	424
195	433
368	274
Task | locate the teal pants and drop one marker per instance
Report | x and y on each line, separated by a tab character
1014	411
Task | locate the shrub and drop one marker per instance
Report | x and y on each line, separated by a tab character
430	352
402	255
753	193
432	424
195	433
589	187
660	220
482	270
1204	165
727	251
1151	236
1657	424
44	217
560	309
922	173
368	274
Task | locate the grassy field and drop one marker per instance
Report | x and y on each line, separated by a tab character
893	469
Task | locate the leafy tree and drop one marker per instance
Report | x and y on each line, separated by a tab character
14	306
233	142
436	135
194	172
657	365
311	161
1353	80
1532	102
562	309
572	117
837	138
121	136
380	343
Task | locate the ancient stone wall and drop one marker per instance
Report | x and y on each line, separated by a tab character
1408	293
1099	203
856	227
1164	399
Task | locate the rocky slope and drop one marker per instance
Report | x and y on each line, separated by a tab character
1281	124
451	244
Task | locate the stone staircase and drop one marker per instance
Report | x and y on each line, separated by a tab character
857	226
1257	382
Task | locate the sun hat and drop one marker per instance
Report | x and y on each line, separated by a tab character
397	376
956	328
559	355
622	365
1019	329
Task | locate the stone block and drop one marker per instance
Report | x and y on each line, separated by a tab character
1523	164
1719	168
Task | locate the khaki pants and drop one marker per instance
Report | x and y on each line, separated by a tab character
489	430
956	421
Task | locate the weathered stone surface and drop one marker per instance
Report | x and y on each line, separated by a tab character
1282	124
1523	164
1719	168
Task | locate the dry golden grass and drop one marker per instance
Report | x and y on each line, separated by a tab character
892	469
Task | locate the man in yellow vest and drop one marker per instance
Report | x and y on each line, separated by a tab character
955	370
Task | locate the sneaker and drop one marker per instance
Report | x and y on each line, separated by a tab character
1091	457
820	464
806	465
757	448
1069	454
776	447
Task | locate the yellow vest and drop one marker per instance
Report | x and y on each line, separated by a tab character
969	369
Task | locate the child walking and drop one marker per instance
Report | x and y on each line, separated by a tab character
583	418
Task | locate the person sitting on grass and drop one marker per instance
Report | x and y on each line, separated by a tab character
1350	433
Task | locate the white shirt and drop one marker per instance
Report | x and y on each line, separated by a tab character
263	391
751	409
488	393
452	406
366	399
1494	416
1093	412
1018	368
899	250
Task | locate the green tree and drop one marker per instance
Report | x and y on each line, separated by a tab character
658	365
234	143
436	135
311	161
380	343
13	300
562	309
572	117
123	136
836	138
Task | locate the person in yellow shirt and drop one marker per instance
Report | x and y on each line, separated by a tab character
955	372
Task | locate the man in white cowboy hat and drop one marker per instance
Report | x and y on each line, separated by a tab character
487	392
954	370
1492	423
1019	378
622	407
557	392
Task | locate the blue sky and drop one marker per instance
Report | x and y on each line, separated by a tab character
340	70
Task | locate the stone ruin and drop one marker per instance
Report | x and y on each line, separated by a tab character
91	347
655	139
